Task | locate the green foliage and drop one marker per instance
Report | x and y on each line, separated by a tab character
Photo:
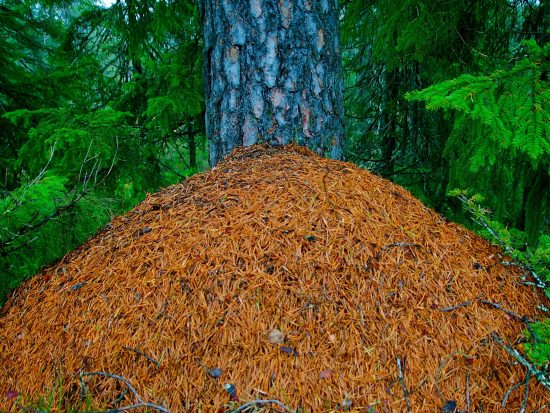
391	48
539	353
98	106
44	217
54	400
500	141
510	105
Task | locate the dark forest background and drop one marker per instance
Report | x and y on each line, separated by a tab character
100	105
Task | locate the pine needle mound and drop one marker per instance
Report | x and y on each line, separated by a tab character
380	301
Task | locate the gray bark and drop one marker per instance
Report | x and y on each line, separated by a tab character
273	73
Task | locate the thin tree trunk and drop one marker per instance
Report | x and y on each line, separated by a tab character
389	120
273	73
192	144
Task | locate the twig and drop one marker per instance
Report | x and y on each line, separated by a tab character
141	353
259	403
397	244
59	209
401	379
524	319
140	403
526	394
400	244
539	282
32	410
510	313
510	390
468	392
438	372
131	407
43	171
120	397
538	374
454	307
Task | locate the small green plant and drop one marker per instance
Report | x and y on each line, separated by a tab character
54	400
539	350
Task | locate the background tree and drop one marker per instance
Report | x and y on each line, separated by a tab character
272	74
391	48
98	107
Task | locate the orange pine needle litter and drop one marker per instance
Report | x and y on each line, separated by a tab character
353	270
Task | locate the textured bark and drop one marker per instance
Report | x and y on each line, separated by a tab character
273	74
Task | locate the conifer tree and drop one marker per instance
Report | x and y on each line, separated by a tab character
500	142
394	47
98	106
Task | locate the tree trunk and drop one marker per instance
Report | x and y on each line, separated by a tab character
192	145
272	73
388	127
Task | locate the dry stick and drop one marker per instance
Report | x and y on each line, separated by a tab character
259	403
397	244
538	374
468	392
120	397
326	191
438	372
526	394
511	389
510	313
141	353
130	407
401	244
32	410
454	307
140	403
539	282
525	320
401	379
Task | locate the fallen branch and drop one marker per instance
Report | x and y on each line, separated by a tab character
120	397
524	319
538	374
468	392
510	313
140	403
480	220
514	387
326	192
141	353
260	402
440	368
526	394
454	307
401	379
397	244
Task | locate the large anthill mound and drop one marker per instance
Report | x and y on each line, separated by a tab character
381	301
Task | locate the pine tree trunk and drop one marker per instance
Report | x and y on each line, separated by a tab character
273	73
